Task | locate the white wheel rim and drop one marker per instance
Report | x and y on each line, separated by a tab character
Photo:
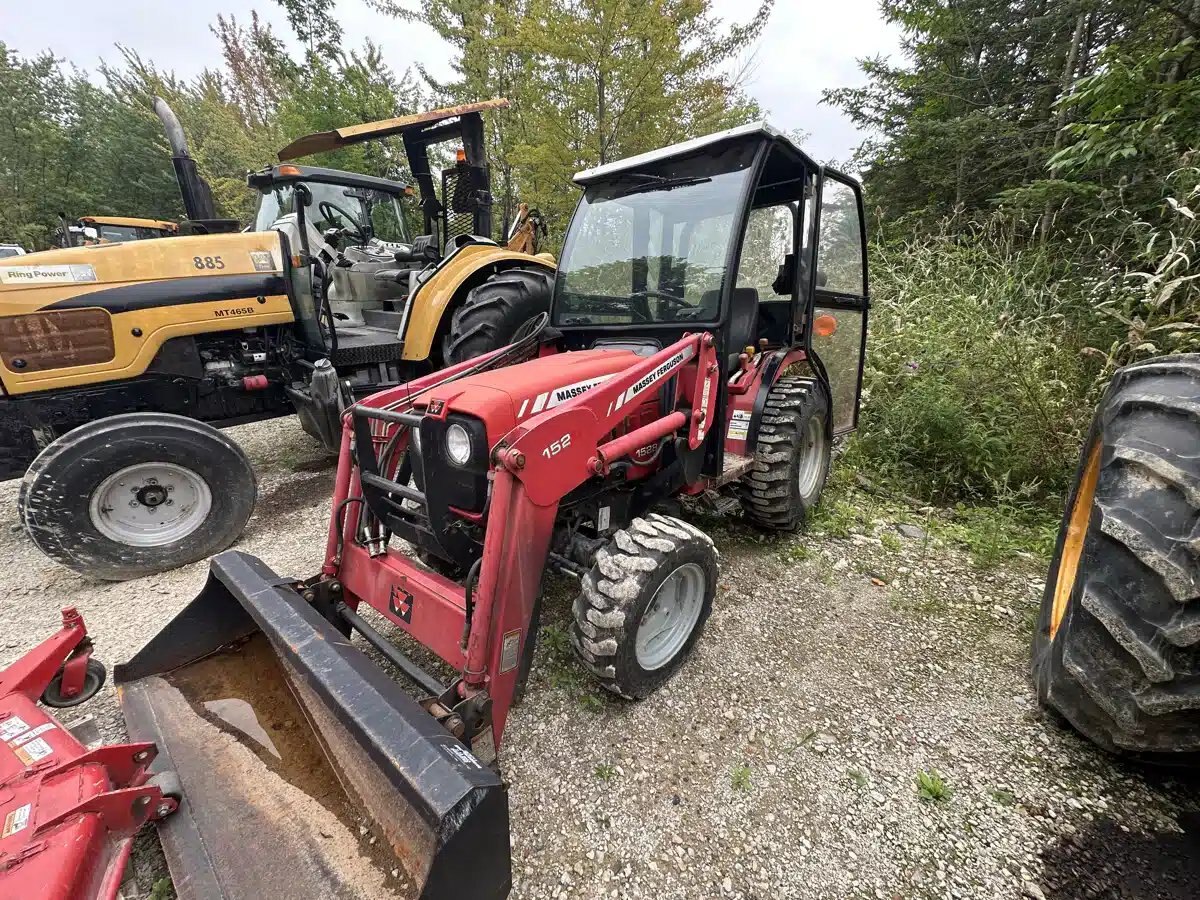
670	617
150	504
812	457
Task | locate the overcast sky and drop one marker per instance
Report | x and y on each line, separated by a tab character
807	45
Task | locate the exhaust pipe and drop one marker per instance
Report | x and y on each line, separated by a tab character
287	737
197	195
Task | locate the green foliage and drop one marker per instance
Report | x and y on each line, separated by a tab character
163	889
858	777
932	788
97	148
605	771
739	778
974	385
1004	797
589	82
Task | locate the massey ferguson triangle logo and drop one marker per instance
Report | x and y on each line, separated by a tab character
400	604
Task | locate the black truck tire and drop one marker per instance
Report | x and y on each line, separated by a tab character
494	312
791	460
1116	650
620	595
135	494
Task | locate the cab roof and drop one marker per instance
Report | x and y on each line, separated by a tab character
287	172
762	130
321	141
129	222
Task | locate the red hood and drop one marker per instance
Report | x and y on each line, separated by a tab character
504	397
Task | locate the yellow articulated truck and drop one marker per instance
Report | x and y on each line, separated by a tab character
118	359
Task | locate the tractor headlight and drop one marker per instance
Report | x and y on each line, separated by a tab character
458	445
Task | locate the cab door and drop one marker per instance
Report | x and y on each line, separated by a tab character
838	317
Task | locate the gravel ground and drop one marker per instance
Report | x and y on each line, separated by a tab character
781	761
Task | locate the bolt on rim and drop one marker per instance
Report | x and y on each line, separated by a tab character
812	457
150	504
670	617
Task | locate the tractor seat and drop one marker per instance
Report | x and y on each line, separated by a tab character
743	320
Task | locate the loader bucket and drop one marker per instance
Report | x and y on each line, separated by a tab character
306	771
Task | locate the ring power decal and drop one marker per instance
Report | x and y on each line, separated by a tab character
60	274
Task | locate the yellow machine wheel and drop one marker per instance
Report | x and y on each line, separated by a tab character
1116	651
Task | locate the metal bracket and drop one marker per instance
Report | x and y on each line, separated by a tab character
125	763
122	811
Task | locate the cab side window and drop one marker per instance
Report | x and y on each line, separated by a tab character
765	252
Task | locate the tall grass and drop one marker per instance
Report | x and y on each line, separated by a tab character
988	350
975	386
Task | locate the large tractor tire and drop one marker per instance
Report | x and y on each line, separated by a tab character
136	494
1117	646
494	312
791	461
643	604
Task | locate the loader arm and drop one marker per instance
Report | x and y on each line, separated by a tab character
557	451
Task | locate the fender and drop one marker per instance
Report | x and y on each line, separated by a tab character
428	305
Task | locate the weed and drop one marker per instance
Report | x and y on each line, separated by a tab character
808	736
795	553
1004	797
591	703
931	787
891	541
740	778
163	890
858	776
836	518
556	640
605	771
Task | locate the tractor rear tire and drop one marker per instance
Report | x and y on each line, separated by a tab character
643	604
494	312
135	494
1116	651
792	456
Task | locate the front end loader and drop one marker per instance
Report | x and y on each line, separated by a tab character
662	372
118	361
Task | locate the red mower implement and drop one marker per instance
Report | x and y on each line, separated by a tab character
68	813
682	357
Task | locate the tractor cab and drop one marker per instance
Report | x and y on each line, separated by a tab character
740	234
356	227
88	230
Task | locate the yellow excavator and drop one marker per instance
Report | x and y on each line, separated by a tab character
117	359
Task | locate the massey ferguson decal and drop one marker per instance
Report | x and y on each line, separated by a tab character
647	381
560	395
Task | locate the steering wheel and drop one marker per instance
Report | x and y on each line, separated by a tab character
331	212
673	299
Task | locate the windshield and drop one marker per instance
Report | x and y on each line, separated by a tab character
116	234
9	251
362	212
652	245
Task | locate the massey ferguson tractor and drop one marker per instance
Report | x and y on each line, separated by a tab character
706	336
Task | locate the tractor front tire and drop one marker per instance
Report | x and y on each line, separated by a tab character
135	494
791	461
1116	650
495	311
643	604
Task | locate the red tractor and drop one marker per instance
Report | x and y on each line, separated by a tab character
706	335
